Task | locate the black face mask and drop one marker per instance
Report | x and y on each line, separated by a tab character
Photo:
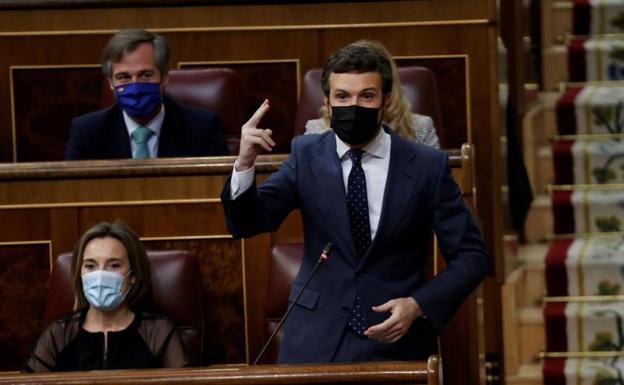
354	124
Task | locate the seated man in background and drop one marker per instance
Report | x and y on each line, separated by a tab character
143	123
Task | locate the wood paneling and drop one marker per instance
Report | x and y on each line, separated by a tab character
25	225
44	102
397	11
164	220
48	51
64	228
221	268
73	4
450	73
276	81
24	276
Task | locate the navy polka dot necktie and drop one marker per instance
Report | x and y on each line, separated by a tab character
357	206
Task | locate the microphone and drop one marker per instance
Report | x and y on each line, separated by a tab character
323	257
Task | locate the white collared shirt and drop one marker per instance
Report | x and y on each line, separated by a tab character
375	163
155	125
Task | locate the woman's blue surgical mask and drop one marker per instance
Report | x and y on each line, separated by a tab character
139	99
103	289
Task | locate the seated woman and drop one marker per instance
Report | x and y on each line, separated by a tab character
109	329
397	115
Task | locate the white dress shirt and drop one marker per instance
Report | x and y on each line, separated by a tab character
375	163
155	125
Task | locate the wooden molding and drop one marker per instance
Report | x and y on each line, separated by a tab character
418	372
147	167
61	4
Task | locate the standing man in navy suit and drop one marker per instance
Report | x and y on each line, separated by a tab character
378	198
143	123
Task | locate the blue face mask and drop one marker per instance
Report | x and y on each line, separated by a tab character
139	99
103	289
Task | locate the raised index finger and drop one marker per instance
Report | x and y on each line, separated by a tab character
257	116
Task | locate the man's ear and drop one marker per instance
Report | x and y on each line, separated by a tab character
165	79
326	104
110	84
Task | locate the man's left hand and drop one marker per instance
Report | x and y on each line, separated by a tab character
403	313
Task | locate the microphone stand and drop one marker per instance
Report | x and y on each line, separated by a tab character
324	255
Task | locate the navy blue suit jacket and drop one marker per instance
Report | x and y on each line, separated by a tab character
186	131
420	197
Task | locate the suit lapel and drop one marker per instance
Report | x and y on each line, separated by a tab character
120	140
327	173
396	193
170	141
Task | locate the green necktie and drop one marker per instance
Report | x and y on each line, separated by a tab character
140	136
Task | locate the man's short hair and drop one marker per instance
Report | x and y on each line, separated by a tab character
126	41
357	59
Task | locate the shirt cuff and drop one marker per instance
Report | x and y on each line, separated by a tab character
241	181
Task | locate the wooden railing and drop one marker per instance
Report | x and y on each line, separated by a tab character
364	373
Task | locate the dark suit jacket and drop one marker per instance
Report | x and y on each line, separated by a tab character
186	131
420	197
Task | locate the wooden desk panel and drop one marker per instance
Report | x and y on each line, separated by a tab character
369	373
